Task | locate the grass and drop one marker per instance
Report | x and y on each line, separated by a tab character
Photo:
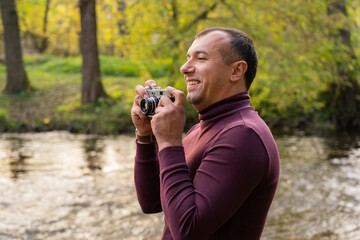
54	102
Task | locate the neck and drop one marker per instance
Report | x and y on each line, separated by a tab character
226	93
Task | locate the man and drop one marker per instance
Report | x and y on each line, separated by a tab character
219	181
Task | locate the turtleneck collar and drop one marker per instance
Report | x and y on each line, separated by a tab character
226	106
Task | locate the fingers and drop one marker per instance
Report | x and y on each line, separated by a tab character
136	111
178	95
137	100
150	83
140	90
166	103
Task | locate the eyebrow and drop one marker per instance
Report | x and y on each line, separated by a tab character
199	52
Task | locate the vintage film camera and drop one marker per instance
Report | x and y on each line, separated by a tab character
148	105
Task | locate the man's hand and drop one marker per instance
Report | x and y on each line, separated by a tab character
169	120
140	120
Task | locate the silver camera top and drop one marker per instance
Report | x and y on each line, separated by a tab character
156	92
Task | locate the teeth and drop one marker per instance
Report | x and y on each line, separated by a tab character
192	82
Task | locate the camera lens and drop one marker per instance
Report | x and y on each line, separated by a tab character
148	105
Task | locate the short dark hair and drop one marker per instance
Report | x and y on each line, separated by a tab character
241	48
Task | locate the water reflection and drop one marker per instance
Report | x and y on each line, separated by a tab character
13	157
64	186
18	156
93	149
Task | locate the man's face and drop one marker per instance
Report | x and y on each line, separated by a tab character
205	72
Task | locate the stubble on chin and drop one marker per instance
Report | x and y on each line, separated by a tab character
193	99
189	98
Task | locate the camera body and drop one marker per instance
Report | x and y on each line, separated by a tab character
148	105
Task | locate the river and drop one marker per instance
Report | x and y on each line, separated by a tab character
58	185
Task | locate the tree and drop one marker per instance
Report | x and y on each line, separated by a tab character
165	29
122	25
16	78
92	88
44	40
343	94
38	37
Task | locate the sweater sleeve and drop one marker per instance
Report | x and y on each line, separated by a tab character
146	177
230	170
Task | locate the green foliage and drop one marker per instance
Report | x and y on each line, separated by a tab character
2	68
6	123
62	65
114	66
109	66
55	102
104	117
301	62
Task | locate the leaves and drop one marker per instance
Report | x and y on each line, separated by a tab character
298	58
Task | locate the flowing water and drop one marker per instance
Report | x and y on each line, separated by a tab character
59	185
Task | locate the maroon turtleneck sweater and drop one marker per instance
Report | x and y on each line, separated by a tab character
221	183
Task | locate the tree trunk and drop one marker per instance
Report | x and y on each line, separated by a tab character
92	88
44	39
343	103
16	79
122	24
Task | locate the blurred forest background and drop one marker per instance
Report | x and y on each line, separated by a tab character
78	74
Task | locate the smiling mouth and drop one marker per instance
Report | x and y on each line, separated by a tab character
192	82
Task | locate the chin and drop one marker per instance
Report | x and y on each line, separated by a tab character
193	99
189	99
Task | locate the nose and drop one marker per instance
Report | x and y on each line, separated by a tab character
187	68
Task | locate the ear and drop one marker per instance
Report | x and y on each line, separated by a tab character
238	70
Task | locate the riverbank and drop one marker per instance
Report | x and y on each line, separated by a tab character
53	103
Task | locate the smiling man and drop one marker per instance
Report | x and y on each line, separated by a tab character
219	181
